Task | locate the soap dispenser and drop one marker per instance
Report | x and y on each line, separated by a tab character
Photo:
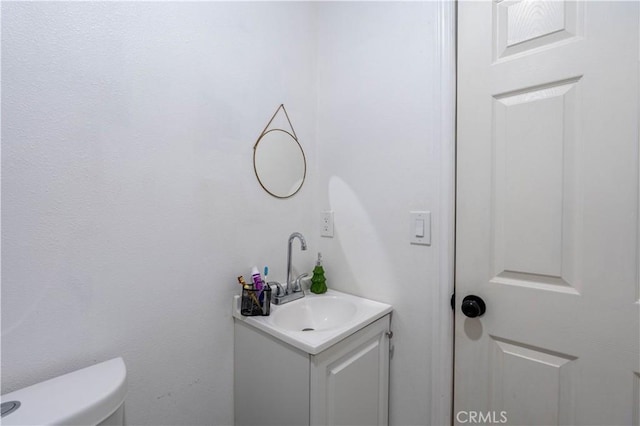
318	281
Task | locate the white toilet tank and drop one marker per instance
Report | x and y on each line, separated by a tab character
91	396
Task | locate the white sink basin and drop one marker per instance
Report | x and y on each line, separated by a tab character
317	322
315	313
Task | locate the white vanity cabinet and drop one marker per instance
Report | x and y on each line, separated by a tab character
345	384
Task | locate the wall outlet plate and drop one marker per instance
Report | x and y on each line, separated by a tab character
326	224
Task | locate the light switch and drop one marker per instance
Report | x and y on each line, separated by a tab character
420	228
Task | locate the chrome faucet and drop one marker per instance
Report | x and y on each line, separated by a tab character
291	286
293	290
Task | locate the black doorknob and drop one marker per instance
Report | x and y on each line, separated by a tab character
473	306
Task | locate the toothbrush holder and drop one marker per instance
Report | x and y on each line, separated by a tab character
256	302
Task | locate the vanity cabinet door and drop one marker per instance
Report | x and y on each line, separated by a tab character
350	381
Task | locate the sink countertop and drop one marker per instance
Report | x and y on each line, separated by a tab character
315	341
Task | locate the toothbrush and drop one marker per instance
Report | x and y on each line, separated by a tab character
265	295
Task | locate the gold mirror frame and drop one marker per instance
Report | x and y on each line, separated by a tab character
282	138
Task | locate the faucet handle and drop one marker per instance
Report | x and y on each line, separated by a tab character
279	289
298	286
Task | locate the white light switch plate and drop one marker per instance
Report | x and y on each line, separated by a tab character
420	228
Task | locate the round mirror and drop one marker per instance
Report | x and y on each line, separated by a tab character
279	163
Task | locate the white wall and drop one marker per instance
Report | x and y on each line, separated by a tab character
129	203
385	147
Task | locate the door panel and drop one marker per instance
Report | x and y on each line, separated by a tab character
534	148
525	26
547	212
551	401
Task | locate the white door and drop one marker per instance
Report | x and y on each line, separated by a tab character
547	213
